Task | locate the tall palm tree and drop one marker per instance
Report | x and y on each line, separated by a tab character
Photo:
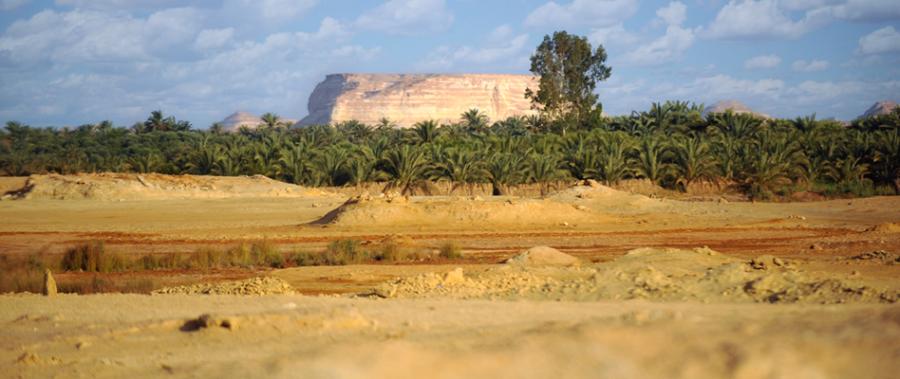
330	164
363	167
270	120
505	170
426	131
776	160
295	162
651	159
612	158
474	120
406	167
692	161
461	167
544	170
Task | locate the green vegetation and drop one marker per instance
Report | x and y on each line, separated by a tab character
671	145
569	70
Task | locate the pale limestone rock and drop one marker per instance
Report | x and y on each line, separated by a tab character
409	98
49	284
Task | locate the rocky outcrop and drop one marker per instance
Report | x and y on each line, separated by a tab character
237	120
409	98
734	106
879	108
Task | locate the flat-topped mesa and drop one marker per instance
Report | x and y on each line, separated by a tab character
405	99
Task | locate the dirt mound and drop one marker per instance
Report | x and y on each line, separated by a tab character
253	286
878	256
395	210
648	273
542	256
888	227
111	186
596	196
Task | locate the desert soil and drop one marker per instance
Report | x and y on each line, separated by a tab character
661	287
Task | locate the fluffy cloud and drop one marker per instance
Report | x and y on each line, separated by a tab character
97	36
671	45
615	35
501	48
407	17
809	66
764	18
673	14
213	38
865	10
596	13
884	40
87	65
763	61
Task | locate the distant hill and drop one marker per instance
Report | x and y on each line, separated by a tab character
879	108
238	119
735	106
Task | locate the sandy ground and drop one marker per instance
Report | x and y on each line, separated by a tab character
632	315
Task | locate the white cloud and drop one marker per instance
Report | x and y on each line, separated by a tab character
763	18
596	13
663	49
503	50
763	61
865	10
8	5
213	38
884	40
673	14
669	46
810	66
407	17
615	35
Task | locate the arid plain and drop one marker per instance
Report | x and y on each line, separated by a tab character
660	286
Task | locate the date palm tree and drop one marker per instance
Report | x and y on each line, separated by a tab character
406	167
692	161
505	170
426	131
461	167
544	170
651	159
612	164
295	162
474	120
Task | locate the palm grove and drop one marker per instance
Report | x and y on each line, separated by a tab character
672	144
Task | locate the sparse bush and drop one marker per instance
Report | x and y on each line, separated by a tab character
264	253
450	250
92	257
343	252
305	258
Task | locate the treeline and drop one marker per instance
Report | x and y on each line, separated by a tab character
672	144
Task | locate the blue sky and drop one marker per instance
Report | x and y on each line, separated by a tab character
69	62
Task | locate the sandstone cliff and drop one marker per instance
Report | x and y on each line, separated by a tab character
409	98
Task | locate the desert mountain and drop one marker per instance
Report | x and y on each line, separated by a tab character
879	108
409	98
238	119
734	106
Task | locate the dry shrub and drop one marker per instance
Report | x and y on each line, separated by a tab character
450	250
92	257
